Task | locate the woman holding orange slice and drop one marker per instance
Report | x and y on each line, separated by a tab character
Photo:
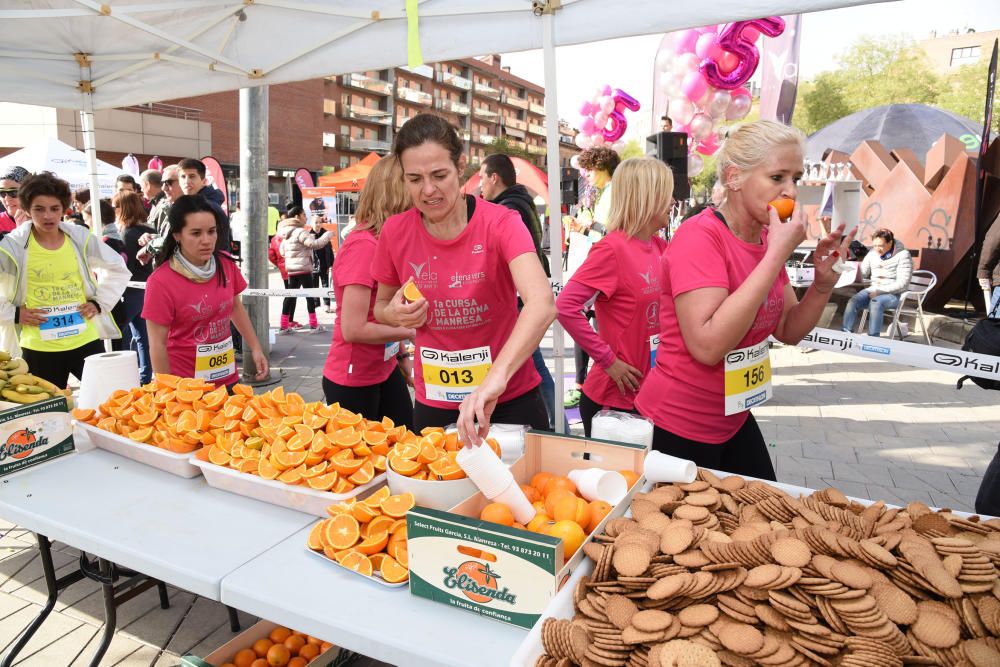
193	297
724	293
452	268
362	370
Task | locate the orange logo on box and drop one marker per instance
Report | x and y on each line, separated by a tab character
477	582
20	444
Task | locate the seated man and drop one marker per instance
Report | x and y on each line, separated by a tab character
889	264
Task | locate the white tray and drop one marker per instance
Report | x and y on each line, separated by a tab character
151	455
272	491
374	578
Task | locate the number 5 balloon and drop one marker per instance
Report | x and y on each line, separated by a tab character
738	38
618	123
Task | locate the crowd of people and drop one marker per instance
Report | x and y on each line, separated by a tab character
677	330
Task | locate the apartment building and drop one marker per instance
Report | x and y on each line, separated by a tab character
949	51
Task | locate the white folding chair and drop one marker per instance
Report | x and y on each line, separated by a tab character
921	282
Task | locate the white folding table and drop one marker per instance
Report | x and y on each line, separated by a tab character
170	529
291	586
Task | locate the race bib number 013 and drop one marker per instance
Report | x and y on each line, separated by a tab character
62	322
215	361
452	375
748	377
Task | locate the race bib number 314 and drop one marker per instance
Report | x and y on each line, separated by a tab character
748	377
452	375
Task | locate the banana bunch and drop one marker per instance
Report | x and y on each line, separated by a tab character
17	385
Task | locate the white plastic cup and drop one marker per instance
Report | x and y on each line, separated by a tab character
486	471
660	467
600	484
514	498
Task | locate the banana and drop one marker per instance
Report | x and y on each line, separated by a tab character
16	366
3	375
23	378
30	389
46	385
3	383
4	356
18	397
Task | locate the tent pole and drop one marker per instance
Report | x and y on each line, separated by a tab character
555	207
253	202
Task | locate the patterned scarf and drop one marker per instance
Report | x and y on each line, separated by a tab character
197	274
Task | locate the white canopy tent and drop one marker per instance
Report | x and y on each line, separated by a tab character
84	54
66	162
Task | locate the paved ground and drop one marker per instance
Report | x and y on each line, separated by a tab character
872	429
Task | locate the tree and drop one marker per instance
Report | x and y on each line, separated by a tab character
633	148
822	103
501	145
964	93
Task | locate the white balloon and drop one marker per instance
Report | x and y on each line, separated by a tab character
608	104
575	162
597	140
681	111
701	126
618	146
739	107
695	165
718	102
600	120
582	141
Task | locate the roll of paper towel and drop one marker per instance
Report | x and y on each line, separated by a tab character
105	373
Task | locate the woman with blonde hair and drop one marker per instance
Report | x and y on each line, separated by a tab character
361	367
620	279
725	292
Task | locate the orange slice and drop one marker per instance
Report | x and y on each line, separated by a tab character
379	463
167	380
378	525
392	571
141	435
266	470
399	551
342	486
375	499
83	414
406	451
358	562
374	543
428	453
411	292
445	470
377	559
364	474
291	476
363	513
345	463
218	457
323	482
289	459
145	418
348	439
346	418
341	532
315	541
398	506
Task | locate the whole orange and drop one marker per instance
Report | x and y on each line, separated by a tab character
278	655
630	477
571	508
552	498
228	664
540	480
244	658
537	524
570	533
539	505
314	640
783	207
531	493
261	647
558	482
598	510
259	662
309	651
295	643
297	662
497	513
325	646
280	634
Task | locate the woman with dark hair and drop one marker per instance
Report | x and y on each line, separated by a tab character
296	248
130	218
59	283
468	260
13	215
193	297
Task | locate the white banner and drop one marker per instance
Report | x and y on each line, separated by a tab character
901	352
314	292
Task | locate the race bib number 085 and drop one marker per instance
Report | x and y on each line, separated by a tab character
748	377
453	375
215	361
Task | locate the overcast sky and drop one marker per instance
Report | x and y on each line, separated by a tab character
628	63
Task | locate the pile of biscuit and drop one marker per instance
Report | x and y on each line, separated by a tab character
725	571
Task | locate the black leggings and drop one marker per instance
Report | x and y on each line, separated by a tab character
580	355
743	454
528	408
390	398
588	408
56	366
295	282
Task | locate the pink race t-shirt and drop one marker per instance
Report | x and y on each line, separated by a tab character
196	314
681	395
357	364
473	301
626	271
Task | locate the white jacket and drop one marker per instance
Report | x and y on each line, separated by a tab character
104	273
892	275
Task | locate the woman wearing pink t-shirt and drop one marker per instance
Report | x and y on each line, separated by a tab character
363	371
193	297
470	260
725	292
621	279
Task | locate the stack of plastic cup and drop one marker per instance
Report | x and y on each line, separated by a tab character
600	484
495	480
622	427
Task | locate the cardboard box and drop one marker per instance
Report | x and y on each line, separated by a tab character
245	639
500	572
801	273
34	433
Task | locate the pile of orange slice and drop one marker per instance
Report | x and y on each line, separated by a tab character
430	457
367	536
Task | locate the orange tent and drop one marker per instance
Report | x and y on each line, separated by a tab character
528	175
351	179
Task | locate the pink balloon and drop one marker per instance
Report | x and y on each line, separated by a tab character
585	109
600	120
709	146
708	46
727	62
597	140
694	85
739	39
686	63
681	111
608	104
587	126
714	28
686	41
695	165
606	90
739	92
625	100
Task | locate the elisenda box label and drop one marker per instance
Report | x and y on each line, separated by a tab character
35	433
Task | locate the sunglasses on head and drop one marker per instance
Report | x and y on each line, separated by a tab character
8	192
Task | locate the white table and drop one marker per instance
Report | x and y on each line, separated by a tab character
288	585
173	530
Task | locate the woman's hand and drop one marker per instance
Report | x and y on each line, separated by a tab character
829	251
628	378
260	361
784	237
477	408
401	313
406	366
32	317
88	310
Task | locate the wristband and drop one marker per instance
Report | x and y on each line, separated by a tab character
17	314
96	305
402	355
